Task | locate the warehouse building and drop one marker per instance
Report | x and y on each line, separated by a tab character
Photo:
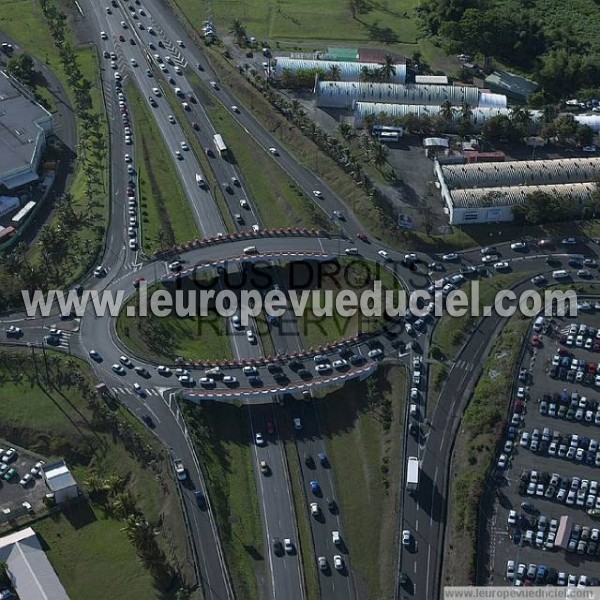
515	87
349	71
487	192
28	567
396	111
24	127
60	481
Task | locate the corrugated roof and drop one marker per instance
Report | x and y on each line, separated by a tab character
525	172
346	93
30	570
58	477
515	195
349	71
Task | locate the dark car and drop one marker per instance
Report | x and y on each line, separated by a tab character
273	368
196	126
200	498
309	461
255	381
323	459
148	420
277	547
304	374
332	505
357	359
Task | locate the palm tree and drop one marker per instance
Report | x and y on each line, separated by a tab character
466	112
114	484
345	130
334	73
123	505
379	155
446	110
387	70
93	483
239	31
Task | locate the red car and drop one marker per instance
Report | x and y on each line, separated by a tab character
563	352
592	367
362	236
270	428
535	340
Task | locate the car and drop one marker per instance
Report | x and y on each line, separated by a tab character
338	562
95	355
539	280
530	508
525	440
273	151
133	62
501	266
322	562
317	194
384	254
249	370
502	462
338	214
14	331
315	487
178	155
315	511
406	538
10	474
377	352
213	84
510	570
206	381
184	146
264	467
103	35
229	380
138	388
118	369
518	246
244	204
288	545
452	256
235	109
259	439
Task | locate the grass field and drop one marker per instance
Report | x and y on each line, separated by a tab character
356	276
221	435
166	216
367	456
276	198
310	21
93	559
162	339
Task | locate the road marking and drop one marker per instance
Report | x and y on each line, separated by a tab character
427	578
417	525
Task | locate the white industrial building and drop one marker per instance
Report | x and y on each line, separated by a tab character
487	192
24	126
349	71
478	115
344	94
60	481
29	569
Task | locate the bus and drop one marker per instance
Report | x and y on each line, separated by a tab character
220	145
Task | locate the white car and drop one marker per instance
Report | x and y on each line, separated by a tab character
297	424
156	91
235	109
229	379
244	203
384	254
127	158
518	246
255	228
288	546
315	511
317	194
406	538
133	62
184	146
171	119
207	381
450	257
340	364
510	570
179	42
175	265
250	336
259	439
137	387
501	266
273	151
103	35
178	155
162	370
338	562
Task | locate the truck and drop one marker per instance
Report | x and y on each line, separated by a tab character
412	474
180	469
220	145
563	534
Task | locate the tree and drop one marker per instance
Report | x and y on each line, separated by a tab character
388	69
379	155
21	67
466	112
334	73
446	110
345	130
584	135
239	32
520	119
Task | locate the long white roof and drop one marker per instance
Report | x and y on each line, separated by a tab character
346	93
515	195
349	71
522	173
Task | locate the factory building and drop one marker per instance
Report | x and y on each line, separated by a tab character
349	71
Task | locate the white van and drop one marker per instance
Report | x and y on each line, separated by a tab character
562	274
250	250
413	410
538	325
351	250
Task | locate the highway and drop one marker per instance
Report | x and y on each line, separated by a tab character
425	514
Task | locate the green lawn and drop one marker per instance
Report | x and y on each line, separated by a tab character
93	559
166	216
310	20
364	443
356	276
277	199
222	438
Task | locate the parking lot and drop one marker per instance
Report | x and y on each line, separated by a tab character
548	466
21	482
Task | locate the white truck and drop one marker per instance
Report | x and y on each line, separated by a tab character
180	469
412	474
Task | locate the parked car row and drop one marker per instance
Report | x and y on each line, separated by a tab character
532	574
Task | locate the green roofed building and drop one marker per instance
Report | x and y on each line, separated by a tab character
345	54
